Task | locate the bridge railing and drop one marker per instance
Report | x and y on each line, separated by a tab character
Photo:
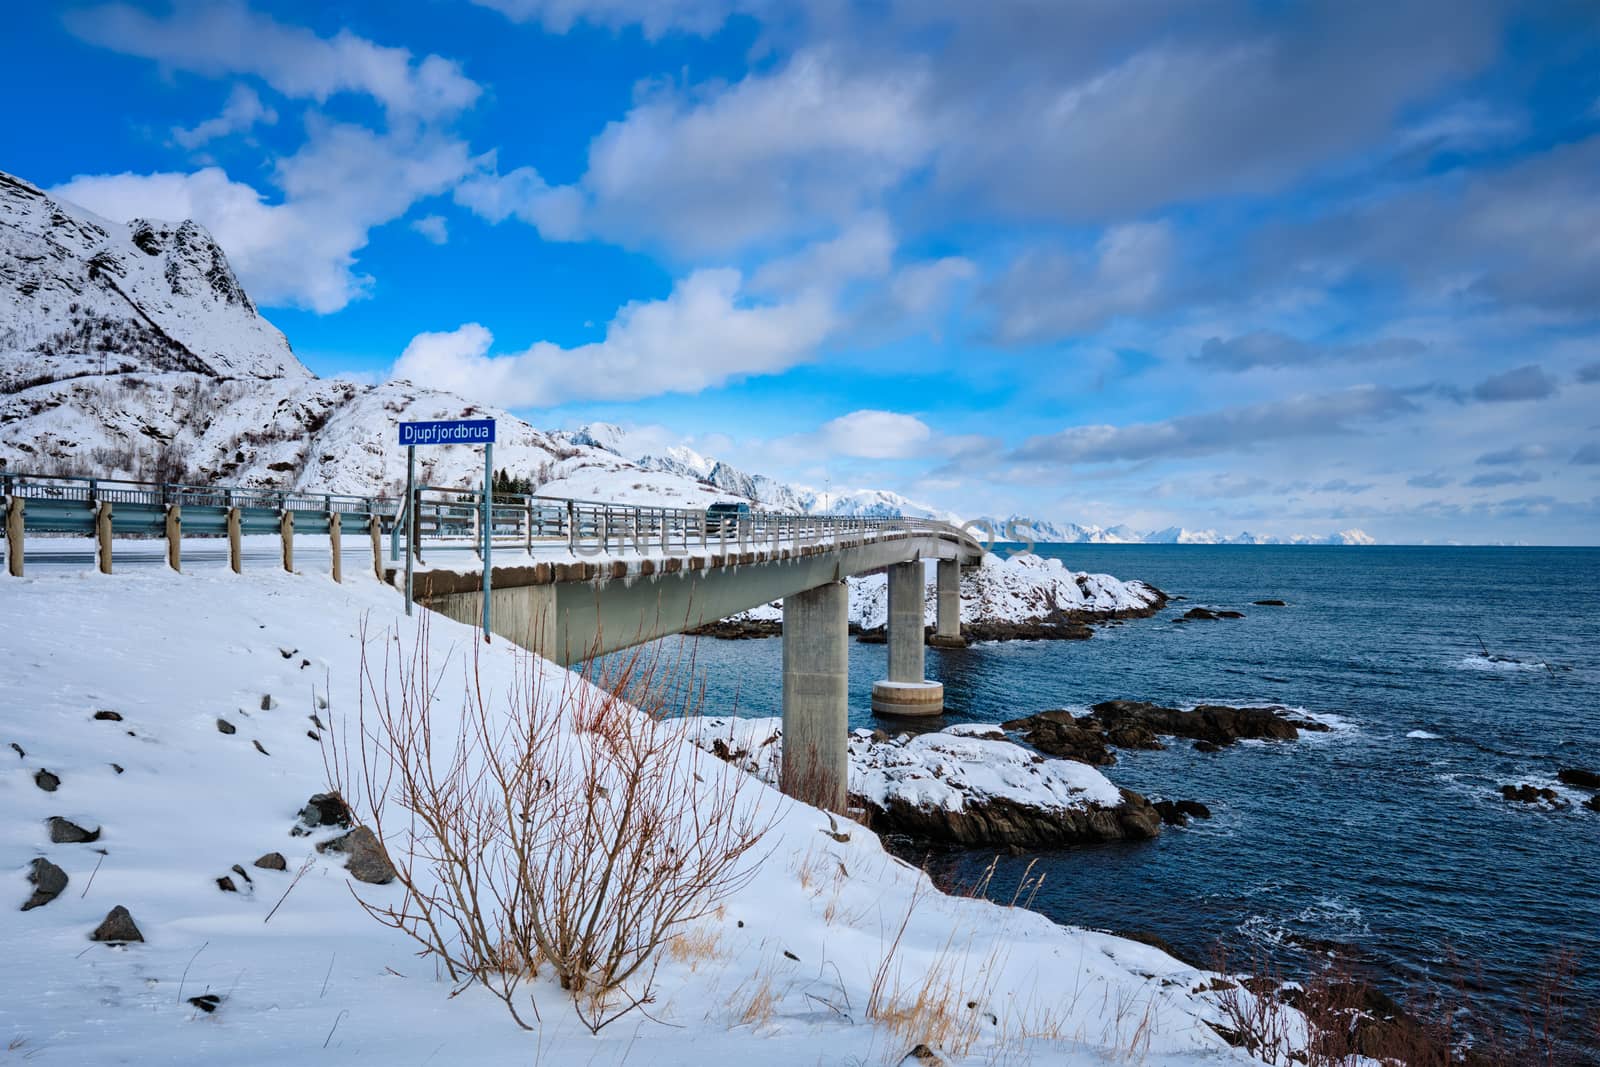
449	519
440	518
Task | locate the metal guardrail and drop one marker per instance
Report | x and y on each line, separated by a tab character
447	519
442	518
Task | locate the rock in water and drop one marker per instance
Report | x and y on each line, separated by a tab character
1270	604
1212	613
1579	777
48	882
65	832
368	861
118	928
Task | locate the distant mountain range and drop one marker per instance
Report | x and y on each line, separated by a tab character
1074	534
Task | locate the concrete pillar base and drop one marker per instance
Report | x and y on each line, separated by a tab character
816	696
908	700
947	641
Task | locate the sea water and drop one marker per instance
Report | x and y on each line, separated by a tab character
1446	672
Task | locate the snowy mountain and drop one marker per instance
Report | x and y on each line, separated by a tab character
80	294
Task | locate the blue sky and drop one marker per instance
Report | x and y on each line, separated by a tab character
1286	268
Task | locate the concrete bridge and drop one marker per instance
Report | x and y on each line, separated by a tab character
571	580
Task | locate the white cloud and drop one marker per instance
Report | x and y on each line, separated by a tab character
655	18
299	252
702	335
556	211
802	149
227	38
875	435
1046	295
433	227
865	249
242	111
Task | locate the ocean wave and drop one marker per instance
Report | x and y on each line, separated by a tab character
1506	664
1422	735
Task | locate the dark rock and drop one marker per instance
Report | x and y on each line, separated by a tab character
1170	815
286	653
1207	746
18	749
267	703
242	873
922	1054
226	885
48	882
47	781
314	736
368	861
1061	734
260	748
107	716
1527	794
1593	803
272	861
1270	604
325	809
1579	777
117	928
1217	723
117	767
738	630
64	832
1194	809
226	727
1212	613
999	822
206	1002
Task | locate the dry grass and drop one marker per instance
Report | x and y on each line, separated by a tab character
695	946
549	825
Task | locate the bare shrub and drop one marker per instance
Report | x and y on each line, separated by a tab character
548	825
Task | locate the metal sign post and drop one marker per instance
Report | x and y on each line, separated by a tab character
452	432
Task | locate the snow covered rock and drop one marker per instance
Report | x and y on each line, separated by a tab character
117	928
962	787
47	880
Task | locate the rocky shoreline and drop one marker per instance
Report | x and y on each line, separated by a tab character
971	786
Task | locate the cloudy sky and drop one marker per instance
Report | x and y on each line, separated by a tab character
1278	267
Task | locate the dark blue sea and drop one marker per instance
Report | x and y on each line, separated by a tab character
1449	672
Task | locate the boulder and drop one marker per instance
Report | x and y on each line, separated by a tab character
1194	809
1061	734
107	716
325	809
47	781
1577	776
117	928
368	861
1269	604
1593	803
48	882
226	727
66	832
1206	614
1000	822
272	861
1527	794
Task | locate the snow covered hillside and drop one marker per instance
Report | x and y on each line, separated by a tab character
187	745
79	293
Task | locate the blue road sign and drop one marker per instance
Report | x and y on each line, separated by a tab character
450	432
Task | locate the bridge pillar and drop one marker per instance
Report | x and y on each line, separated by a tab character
816	707
235	542
175	537
14	507
286	532
102	533
947	631
906	692
334	536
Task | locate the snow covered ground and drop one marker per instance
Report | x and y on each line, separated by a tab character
783	975
1022	588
